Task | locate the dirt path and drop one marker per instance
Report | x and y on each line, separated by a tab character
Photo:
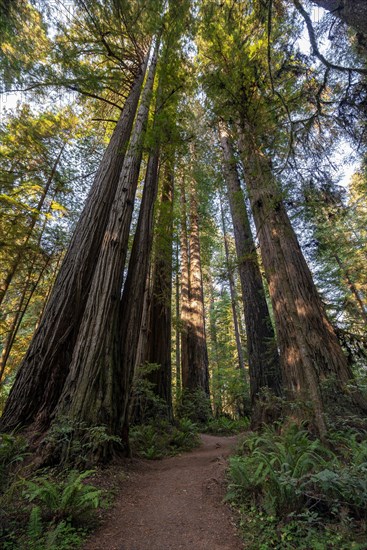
172	504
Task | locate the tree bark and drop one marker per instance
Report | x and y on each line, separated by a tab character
177	326
263	358
96	390
43	371
198	364
132	302
216	372
159	333
185	289
309	349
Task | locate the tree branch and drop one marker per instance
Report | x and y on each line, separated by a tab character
315	48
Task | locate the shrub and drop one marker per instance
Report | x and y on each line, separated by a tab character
13	449
194	406
161	438
58	511
70	500
226	426
50	536
78	444
296	493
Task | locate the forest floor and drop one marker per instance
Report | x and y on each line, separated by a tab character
171	504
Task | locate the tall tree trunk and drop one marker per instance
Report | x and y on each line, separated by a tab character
198	375
262	351
98	356
22	247
159	333
177	326
141	353
233	294
132	302
43	371
185	288
309	349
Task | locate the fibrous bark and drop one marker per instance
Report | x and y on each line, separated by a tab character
159	331
185	289
198	374
95	390
263	358
42	374
309	349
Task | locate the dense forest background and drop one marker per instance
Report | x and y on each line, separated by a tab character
183	218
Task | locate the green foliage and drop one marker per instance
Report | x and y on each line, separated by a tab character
160	439
226	426
79	444
194	405
13	450
303	531
296	493
147	405
49	513
70	499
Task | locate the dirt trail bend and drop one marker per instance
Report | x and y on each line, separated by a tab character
172	504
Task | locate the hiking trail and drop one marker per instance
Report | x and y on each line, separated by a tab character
172	504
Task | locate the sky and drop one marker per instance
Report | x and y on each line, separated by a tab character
63	9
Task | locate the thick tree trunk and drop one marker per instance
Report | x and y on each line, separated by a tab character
159	333
95	391
132	302
309	349
42	374
138	401
141	353
263	358
198	373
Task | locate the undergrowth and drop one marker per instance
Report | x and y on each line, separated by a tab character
47	510
226	426
293	492
161	438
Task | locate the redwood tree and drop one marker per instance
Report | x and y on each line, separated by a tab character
261	344
160	315
97	350
312	361
43	371
198	377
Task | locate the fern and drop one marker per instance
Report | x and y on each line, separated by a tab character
35	527
275	466
68	499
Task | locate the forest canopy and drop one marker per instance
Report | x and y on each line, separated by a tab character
183	244
183	209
